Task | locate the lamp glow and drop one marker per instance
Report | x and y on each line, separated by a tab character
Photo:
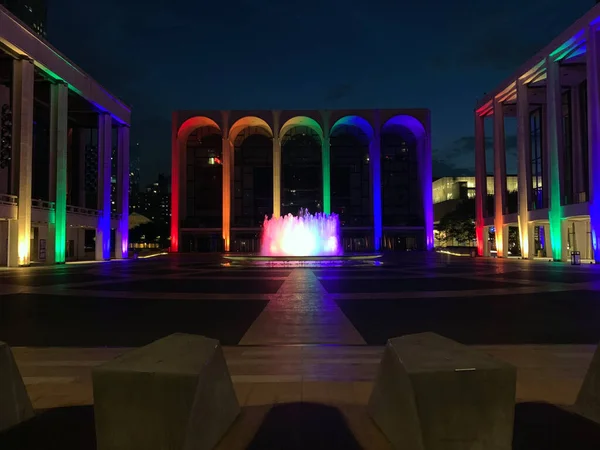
302	235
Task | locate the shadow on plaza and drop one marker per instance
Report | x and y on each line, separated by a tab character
293	426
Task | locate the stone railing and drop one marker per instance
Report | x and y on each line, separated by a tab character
42	204
81	210
7	199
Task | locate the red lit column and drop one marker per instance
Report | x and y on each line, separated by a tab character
480	184
176	169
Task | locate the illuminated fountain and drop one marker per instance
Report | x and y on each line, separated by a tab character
302	235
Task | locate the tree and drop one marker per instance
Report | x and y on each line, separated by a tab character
459	225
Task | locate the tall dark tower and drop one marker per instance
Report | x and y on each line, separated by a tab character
31	12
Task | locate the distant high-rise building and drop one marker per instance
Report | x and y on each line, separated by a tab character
31	12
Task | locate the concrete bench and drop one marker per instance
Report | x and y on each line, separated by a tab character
175	393
588	399
432	393
15	406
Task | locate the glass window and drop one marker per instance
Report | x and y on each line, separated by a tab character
567	129
537	159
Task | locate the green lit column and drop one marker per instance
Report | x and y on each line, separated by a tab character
553	138
326	162
57	226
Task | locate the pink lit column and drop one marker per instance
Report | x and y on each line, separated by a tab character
499	178
19	239
122	233
593	105
480	184
104	169
524	180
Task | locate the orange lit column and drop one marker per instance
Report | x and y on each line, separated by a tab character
22	161
499	178
480	185
523	172
276	166
227	177
122	232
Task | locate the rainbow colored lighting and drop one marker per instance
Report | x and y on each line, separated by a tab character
302	235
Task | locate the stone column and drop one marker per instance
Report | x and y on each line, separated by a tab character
524	181
499	177
276	166
57	228
104	169
593	106
122	233
326	165
227	177
480	186
375	164
19	248
554	142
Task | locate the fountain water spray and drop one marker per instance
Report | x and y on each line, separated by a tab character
302	235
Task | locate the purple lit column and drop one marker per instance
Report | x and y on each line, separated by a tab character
593	105
375	163
104	169
122	233
426	188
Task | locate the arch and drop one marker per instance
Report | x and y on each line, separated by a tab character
247	122
194	123
302	121
423	148
356	121
409	122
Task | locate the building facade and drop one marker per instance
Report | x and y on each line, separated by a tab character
230	169
58	128
555	98
32	13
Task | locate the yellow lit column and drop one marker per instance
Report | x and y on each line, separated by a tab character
227	161
276	166
122	232
20	233
57	226
104	169
499	177
523	172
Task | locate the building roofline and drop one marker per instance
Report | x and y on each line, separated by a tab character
21	41
538	59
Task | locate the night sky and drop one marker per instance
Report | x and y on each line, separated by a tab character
163	55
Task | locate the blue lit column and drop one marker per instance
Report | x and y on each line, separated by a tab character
375	163
593	106
104	169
